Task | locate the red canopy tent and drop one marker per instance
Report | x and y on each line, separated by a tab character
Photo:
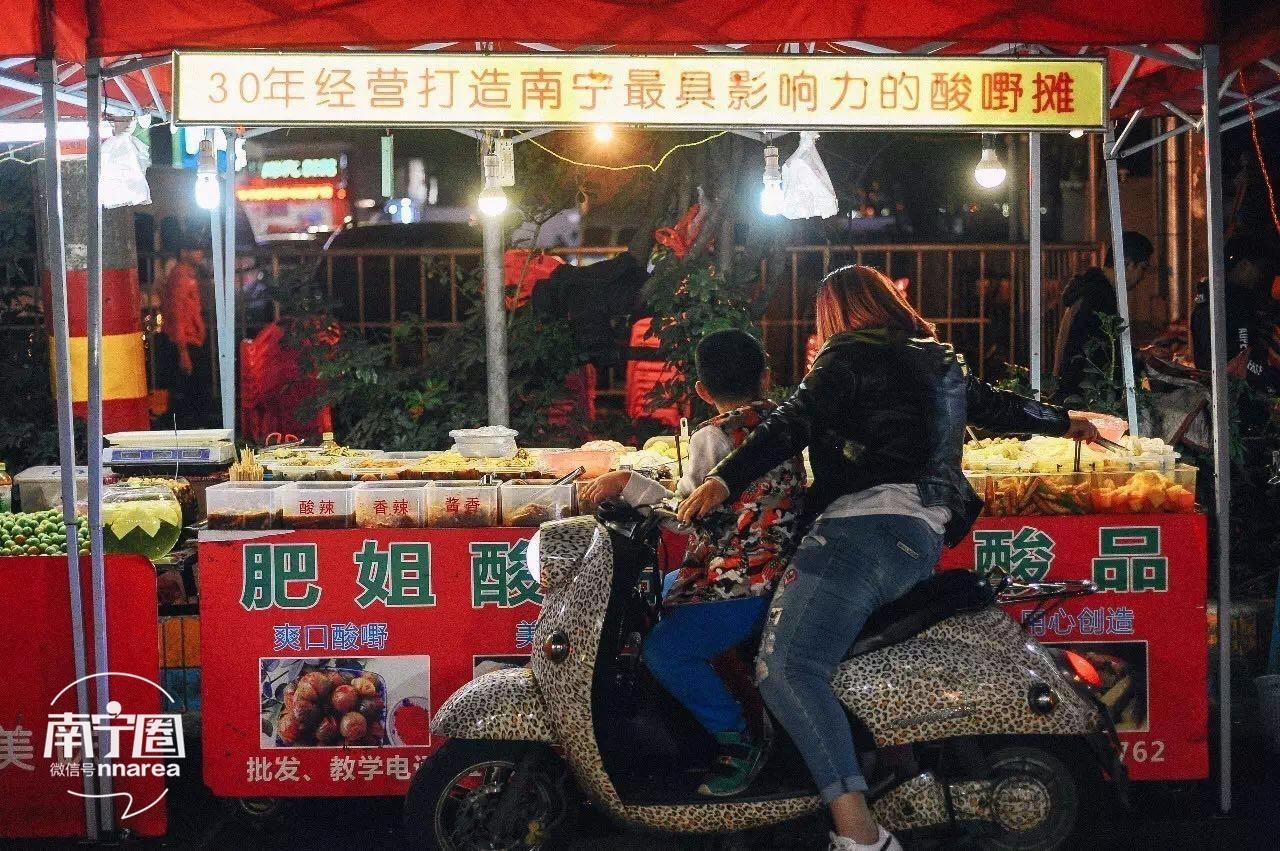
130	27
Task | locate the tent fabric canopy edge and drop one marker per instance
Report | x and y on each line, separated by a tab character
123	27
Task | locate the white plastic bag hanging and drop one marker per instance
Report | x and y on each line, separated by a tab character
806	186
123	179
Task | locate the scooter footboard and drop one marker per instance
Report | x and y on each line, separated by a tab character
502	705
970	675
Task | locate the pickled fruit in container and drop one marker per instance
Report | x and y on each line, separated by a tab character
145	520
535	503
244	505
390	505
461	504
318	505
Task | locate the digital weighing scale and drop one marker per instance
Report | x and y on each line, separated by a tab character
159	452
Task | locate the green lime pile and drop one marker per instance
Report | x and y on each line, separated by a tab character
39	533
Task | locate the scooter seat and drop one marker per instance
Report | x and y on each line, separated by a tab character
934	600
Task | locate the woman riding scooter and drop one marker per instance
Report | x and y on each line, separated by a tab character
883	414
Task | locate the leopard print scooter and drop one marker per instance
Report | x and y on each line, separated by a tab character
971	717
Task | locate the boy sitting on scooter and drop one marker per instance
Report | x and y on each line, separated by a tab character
719	597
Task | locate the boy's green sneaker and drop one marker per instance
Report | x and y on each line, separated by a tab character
737	765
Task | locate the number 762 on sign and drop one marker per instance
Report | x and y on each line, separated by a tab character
1142	751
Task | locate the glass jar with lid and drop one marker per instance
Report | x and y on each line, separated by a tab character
141	519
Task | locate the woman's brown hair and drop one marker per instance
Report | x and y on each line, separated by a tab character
856	297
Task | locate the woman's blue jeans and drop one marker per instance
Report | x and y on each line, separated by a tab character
845	569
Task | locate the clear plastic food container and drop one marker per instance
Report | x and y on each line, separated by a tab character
486	442
244	505
562	462
1089	492
376	470
390	505
461	504
318	505
535	503
307	472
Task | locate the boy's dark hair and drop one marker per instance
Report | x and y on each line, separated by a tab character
1137	248
730	364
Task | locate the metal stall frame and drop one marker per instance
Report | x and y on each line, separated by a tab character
97	787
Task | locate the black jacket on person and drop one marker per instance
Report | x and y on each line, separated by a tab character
591	297
1241	318
878	408
1088	294
1250	329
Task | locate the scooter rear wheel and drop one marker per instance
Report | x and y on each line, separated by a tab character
1035	800
453	801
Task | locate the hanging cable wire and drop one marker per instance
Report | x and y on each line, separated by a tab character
12	154
635	167
1257	149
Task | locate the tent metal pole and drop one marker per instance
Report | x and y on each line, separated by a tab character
227	295
1151	143
1091	187
1220	409
216	223
52	178
97	567
495	323
1033	214
1124	134
1122	286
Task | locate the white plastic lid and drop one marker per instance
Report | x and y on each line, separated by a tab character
482	433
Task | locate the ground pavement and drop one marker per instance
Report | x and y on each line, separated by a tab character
1164	817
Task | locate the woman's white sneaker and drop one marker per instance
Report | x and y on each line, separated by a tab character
884	842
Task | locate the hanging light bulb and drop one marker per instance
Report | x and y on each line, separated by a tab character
989	172
492	200
771	199
603	132
208	193
144	120
1076	133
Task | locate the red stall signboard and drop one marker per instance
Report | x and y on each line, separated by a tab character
326	654
1144	631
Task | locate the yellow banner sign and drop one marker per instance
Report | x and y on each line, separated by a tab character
566	90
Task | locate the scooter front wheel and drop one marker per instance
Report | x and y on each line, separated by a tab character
460	799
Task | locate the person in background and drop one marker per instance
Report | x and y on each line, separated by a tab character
1087	298
882	413
183	363
1251	269
718	597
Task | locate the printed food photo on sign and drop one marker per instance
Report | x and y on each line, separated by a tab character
345	702
481	665
1122	665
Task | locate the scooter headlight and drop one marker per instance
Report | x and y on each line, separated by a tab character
533	556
